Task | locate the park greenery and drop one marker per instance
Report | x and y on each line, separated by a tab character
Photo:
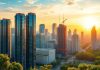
81	66
89	56
5	63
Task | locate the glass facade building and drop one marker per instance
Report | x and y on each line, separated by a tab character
5	37
42	28
20	38
30	39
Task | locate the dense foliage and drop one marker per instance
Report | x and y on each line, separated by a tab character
5	63
88	56
81	66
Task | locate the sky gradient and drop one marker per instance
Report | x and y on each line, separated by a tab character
52	11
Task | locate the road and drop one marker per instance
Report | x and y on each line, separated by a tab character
70	59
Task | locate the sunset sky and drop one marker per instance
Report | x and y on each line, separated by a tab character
81	14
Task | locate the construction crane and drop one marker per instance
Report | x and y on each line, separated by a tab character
64	21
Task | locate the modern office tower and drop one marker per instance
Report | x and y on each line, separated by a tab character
12	44
54	31
47	38
20	38
5	37
75	42
94	38
42	35
62	48
37	40
69	41
82	38
30	40
47	35
42	28
0	36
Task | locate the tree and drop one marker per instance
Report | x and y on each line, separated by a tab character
46	67
4	62
95	67
64	67
72	68
6	65
15	66
83	66
85	56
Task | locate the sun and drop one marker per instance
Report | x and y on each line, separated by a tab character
89	21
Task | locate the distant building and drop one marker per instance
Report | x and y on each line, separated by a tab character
42	28
51	44
62	46
20	42
13	44
82	38
47	38
54	31
37	40
5	46
94	38
42	35
69	42
75	42
45	56
30	40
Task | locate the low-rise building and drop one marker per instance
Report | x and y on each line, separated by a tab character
45	56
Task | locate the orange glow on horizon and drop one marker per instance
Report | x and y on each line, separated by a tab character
87	22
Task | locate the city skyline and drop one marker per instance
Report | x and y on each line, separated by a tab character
86	13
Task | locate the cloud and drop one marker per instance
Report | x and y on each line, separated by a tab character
31	1
10	10
2	3
69	2
19	1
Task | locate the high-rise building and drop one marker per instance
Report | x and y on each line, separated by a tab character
69	41
94	38
37	40
30	40
46	38
42	35
62	46
12	44
5	37
75	42
54	31
42	28
0	35
82	38
20	38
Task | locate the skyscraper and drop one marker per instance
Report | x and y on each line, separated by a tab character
54	31
62	48
0	35
82	38
94	38
5	37
42	28
30	39
20	38
69	41
47	38
12	44
42	35
75	42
